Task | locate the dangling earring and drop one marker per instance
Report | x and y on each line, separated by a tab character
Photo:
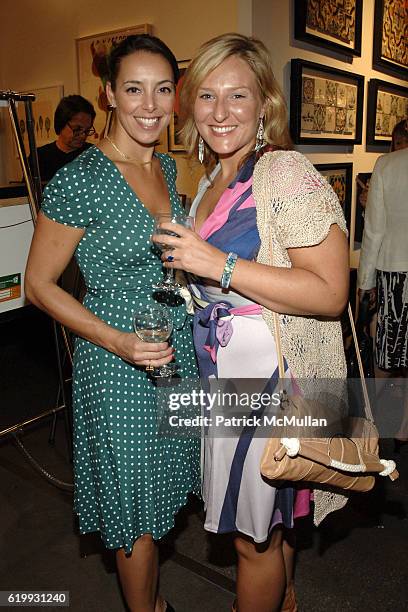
260	141
200	150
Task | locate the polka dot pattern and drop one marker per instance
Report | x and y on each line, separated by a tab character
128	479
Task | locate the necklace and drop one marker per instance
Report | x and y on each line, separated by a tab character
127	157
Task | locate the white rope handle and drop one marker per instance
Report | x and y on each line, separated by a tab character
348	467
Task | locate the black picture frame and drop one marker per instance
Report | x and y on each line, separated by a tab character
392	26
321	32
333	173
381	101
362	186
326	104
174	144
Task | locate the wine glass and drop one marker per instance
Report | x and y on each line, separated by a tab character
168	284
154	324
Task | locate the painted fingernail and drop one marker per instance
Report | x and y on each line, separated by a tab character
170	258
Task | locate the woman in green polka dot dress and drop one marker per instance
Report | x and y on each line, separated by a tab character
129	481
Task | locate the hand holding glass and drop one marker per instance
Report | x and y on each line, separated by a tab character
154	324
168	283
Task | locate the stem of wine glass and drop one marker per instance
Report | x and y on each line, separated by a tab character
169	276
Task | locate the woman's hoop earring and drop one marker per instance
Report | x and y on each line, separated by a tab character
260	140
200	150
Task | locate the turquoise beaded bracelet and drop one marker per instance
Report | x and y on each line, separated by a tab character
228	270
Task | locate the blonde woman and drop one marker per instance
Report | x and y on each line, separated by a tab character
256	187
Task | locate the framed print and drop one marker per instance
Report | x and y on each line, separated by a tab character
362	186
387	105
390	47
174	142
340	176
92	53
333	25
46	101
326	104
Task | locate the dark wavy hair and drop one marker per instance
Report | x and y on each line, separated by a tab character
139	42
68	107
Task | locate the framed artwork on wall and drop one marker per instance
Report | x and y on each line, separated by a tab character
92	53
362	186
326	104
390	48
340	177
174	142
46	101
333	25
387	104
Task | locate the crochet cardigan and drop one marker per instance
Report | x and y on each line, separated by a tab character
295	208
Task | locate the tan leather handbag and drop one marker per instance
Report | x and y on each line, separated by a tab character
346	463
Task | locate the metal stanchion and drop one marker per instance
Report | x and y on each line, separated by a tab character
33	182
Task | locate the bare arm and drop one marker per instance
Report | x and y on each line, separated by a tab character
52	248
317	284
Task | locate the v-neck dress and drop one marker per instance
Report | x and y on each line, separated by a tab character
129	480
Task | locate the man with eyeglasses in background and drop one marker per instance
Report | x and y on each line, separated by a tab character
73	123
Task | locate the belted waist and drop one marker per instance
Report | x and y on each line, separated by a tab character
217	318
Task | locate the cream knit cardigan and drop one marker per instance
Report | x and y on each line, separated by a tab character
295	207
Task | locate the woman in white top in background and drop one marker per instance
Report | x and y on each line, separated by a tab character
383	269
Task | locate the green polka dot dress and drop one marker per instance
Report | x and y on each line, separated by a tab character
128	480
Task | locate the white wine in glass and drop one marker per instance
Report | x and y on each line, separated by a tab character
154	324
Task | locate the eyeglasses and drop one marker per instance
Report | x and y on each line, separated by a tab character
78	131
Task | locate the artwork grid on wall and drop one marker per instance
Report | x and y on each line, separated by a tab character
340	177
390	46
387	105
332	25
174	142
92	53
326	104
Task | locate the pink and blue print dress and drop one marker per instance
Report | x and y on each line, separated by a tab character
236	497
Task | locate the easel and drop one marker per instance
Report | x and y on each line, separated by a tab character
33	182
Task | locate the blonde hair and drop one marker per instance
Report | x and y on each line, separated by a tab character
209	56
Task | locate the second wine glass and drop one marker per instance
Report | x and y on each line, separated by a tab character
169	284
154	324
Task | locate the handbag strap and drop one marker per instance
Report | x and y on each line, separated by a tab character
281	367
367	403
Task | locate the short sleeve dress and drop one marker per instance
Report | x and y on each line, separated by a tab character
129	480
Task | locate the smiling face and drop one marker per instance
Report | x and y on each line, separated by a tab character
227	109
143	97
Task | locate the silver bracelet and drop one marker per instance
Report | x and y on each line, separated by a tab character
228	270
